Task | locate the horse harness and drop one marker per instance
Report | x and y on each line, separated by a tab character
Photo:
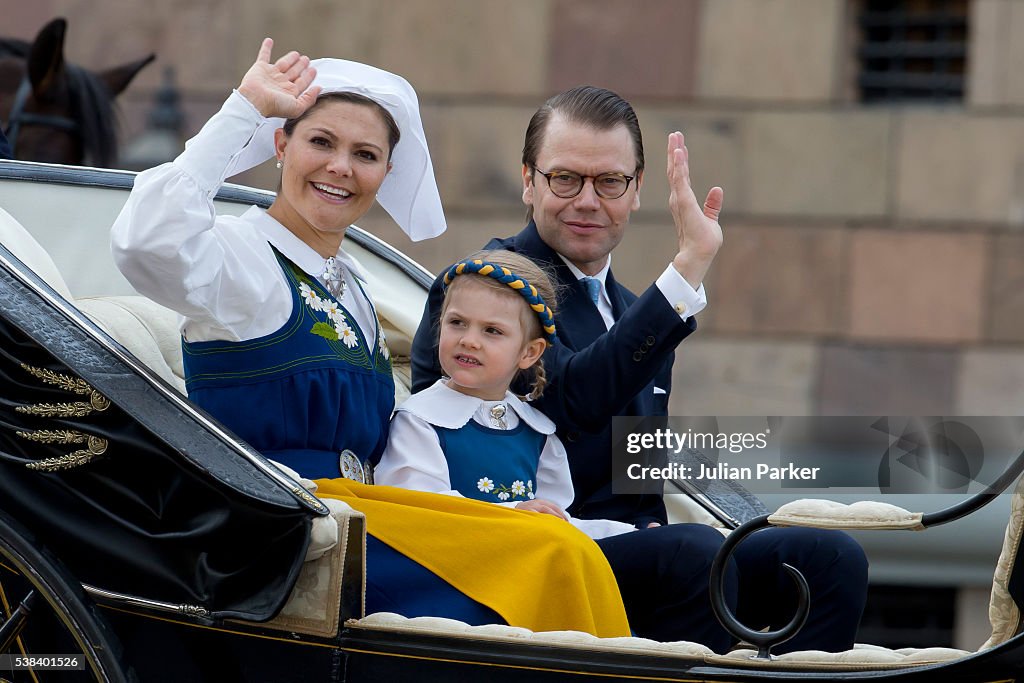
19	117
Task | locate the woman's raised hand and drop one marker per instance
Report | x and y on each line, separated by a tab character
280	88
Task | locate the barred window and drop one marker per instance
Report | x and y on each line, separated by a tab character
912	50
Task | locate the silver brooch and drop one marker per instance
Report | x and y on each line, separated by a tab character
333	278
498	416
353	468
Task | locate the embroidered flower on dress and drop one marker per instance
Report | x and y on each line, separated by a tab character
332	310
505	492
308	295
346	334
383	344
340	330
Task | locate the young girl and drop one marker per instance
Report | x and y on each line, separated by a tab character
469	435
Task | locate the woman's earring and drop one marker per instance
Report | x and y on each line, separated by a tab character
279	163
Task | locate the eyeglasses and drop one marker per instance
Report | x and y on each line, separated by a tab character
568	184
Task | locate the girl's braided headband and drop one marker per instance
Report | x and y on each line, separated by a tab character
517	283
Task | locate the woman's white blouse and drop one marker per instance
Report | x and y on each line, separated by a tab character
219	272
414	460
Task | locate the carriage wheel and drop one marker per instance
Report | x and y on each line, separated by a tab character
44	611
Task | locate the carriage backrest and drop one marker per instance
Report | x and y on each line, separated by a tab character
147	329
17	239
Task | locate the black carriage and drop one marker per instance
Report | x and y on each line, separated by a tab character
140	540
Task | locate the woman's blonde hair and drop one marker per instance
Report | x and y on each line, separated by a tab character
533	274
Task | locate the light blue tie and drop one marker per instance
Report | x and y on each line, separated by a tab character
593	286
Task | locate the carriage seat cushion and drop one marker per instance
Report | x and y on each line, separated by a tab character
314	605
1003	611
828	514
147	329
20	243
860	658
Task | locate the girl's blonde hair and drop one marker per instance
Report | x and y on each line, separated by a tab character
535	275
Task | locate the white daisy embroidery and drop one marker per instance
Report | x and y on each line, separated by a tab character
346	334
384	346
485	485
308	295
331	309
503	495
518	488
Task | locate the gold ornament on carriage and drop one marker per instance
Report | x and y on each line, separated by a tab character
97	401
95	446
307	497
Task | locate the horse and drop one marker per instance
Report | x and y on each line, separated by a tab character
54	111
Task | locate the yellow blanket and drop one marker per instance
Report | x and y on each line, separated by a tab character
534	570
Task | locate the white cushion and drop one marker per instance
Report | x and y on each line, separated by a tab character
861	657
1003	610
20	243
147	329
827	514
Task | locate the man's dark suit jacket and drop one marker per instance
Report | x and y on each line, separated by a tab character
593	374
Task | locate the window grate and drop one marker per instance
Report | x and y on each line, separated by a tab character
912	50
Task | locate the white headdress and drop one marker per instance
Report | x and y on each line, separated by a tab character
409	192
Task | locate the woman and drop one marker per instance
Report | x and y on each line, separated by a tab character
282	344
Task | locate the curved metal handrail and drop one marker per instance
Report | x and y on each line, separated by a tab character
765	640
978	500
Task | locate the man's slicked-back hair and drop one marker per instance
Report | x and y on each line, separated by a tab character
587	105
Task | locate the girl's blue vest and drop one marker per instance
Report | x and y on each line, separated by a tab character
492	465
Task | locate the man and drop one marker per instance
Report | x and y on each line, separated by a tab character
583	168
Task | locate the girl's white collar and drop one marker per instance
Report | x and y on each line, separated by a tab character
444	407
